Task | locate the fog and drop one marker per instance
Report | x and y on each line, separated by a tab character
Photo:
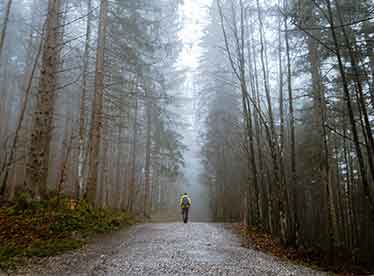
191	181
261	110
195	17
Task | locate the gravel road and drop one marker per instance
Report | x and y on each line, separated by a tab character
168	249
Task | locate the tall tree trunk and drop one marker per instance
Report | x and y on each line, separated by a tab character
247	110
319	123
367	27
272	139
361	98
37	168
118	179
257	128
68	142
156	163
25	100
13	148
147	166
122	153
82	107
291	116
97	110
347	98
131	192
283	181
241	75
347	190
5	26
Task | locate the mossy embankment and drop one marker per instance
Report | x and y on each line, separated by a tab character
51	227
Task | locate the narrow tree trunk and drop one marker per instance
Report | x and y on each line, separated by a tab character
5	26
241	75
97	110
156	183
283	181
64	164
361	98
272	139
258	130
82	107
247	110
25	100
147	166
347	98
118	179
347	190
131	192
319	123
291	116
367	27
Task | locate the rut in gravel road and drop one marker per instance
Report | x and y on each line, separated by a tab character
174	249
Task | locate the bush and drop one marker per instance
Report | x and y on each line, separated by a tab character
22	203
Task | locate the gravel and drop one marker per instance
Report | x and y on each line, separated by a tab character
167	249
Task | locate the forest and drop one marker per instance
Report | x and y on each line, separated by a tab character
91	94
87	101
288	118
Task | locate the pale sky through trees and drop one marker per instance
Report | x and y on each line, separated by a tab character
195	15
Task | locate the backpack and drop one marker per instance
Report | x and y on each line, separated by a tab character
185	202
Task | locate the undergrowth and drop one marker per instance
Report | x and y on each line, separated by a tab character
260	240
51	227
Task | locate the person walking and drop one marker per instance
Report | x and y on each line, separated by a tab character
185	204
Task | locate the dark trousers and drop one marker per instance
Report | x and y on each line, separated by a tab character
185	214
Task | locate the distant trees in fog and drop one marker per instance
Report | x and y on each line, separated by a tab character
86	101
288	144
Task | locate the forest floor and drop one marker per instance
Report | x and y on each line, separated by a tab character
256	239
32	230
168	249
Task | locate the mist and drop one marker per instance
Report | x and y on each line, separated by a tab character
262	111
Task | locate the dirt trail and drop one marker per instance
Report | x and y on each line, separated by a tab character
169	249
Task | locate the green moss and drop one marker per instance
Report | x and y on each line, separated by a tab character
52	247
48	228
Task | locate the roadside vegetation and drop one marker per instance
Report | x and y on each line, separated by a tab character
260	240
51	227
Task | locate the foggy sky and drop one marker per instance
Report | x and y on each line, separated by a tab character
195	19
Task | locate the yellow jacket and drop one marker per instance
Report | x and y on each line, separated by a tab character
181	200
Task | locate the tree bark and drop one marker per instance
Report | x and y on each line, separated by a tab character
291	116
361	98
347	98
240	72
272	136
147	166
131	192
37	168
283	181
82	107
5	26
97	110
13	148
